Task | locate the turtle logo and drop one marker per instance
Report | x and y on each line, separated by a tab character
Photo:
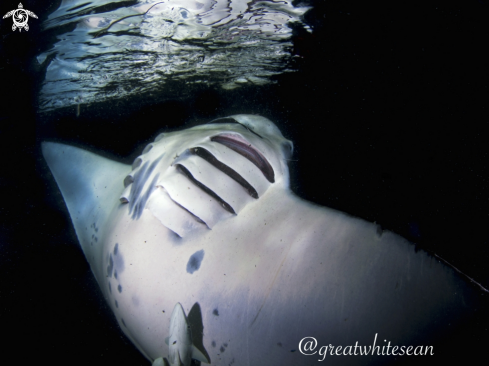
20	17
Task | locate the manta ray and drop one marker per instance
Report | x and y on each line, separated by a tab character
205	218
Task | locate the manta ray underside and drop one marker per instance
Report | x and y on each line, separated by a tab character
204	217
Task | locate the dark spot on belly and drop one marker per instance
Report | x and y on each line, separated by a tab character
116	304
215	312
110	267
195	261
213	343
119	288
116	248
222	349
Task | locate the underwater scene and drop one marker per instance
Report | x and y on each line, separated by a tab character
244	182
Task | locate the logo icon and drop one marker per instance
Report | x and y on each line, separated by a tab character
20	17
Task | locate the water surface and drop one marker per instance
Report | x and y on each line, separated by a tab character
113	49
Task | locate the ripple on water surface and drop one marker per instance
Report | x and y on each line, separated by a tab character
119	48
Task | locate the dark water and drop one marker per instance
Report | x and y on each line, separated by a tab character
387	112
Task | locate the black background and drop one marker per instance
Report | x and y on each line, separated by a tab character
388	113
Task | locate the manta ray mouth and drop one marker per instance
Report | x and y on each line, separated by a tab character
240	145
233	120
